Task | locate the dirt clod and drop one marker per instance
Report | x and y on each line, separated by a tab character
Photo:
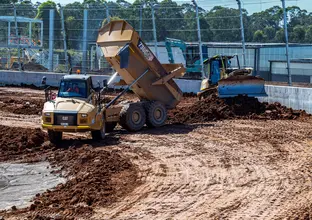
16	142
95	178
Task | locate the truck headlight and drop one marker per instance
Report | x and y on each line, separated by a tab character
84	115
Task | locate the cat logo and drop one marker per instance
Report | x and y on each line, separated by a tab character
65	118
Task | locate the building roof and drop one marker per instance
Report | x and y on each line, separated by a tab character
19	19
77	76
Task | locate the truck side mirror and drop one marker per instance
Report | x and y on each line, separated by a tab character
105	83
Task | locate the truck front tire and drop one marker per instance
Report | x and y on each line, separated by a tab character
99	134
55	136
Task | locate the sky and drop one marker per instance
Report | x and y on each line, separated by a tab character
251	5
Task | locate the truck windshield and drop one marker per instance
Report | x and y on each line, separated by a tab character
73	88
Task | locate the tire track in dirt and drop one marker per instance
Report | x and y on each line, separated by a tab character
229	170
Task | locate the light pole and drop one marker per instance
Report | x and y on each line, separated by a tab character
64	36
286	43
154	29
141	15
242	31
199	40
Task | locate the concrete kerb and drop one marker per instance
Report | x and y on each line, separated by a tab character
292	97
53	79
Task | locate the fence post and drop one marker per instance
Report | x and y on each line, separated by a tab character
286	43
242	31
199	40
64	38
154	30
84	40
107	12
51	40
18	38
141	16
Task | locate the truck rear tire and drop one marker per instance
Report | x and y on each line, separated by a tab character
110	126
132	117
99	134
156	114
55	136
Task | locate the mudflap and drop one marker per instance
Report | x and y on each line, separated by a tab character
241	85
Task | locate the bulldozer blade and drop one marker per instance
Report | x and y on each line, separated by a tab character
241	85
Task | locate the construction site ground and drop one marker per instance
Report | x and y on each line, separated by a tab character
224	167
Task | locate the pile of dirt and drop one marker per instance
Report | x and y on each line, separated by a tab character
214	108
15	142
34	67
96	177
21	106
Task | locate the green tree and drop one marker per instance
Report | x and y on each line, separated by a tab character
224	23
298	34
280	36
308	36
73	17
44	14
270	17
269	33
259	36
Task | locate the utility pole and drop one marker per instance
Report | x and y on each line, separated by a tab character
84	40
154	29
64	37
286	43
18	38
107	12
141	15
51	39
242	31
199	40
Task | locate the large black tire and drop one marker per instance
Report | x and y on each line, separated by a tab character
132	117
156	114
110	126
55	136
99	134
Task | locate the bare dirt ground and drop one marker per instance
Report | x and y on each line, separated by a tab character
228	169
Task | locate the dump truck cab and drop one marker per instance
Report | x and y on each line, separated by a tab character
75	108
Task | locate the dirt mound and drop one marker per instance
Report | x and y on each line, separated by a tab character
96	177
22	106
213	108
16	142
34	67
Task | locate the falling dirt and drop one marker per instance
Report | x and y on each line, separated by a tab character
213	108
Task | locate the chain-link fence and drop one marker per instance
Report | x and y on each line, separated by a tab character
58	38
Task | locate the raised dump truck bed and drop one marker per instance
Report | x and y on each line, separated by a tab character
131	58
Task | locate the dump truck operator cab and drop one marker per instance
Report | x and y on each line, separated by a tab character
75	86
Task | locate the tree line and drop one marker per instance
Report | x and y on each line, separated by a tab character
220	24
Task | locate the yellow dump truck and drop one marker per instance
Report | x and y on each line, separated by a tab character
78	107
